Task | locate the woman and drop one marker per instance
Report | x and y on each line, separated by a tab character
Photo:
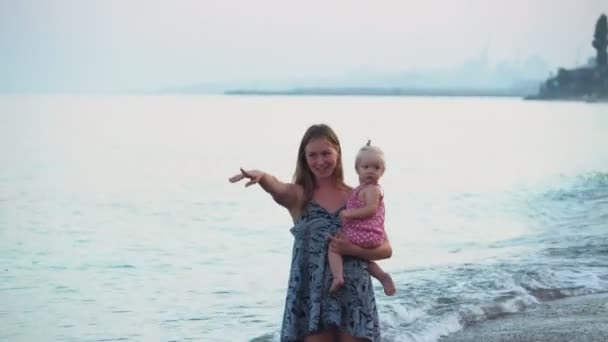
314	200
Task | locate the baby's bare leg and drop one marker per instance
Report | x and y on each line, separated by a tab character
337	270
385	279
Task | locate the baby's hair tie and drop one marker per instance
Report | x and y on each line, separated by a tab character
369	142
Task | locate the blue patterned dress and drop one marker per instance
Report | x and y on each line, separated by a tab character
309	307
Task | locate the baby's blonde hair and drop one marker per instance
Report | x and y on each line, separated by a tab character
372	149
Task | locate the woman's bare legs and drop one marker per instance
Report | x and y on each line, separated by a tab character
344	337
324	336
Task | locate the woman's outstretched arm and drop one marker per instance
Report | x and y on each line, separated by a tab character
285	194
341	245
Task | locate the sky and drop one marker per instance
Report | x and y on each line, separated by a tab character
146	45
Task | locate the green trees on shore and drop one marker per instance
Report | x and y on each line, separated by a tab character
600	40
589	82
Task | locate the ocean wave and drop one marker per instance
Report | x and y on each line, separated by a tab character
585	186
441	301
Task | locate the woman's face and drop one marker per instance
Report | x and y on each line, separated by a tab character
321	157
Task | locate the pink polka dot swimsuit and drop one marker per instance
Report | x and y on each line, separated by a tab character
368	232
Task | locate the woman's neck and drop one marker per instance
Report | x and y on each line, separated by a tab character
326	183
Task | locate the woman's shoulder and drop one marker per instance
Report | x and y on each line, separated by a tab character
296	188
288	195
347	191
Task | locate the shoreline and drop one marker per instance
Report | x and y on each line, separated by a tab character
581	318
381	91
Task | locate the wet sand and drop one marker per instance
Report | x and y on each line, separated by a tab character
575	319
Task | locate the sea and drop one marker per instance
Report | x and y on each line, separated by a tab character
118	223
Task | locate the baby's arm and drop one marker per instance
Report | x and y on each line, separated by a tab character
371	197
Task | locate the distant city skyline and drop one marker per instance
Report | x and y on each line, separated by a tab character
144	46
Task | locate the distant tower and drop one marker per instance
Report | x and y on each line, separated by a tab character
600	40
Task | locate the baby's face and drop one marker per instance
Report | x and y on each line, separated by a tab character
370	168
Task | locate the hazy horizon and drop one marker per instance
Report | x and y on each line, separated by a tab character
145	46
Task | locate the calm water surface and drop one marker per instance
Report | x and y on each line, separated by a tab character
117	221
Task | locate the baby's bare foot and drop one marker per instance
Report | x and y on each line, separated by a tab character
336	284
387	283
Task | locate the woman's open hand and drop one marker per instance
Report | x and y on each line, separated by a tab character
254	177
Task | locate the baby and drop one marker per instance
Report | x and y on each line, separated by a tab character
363	218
